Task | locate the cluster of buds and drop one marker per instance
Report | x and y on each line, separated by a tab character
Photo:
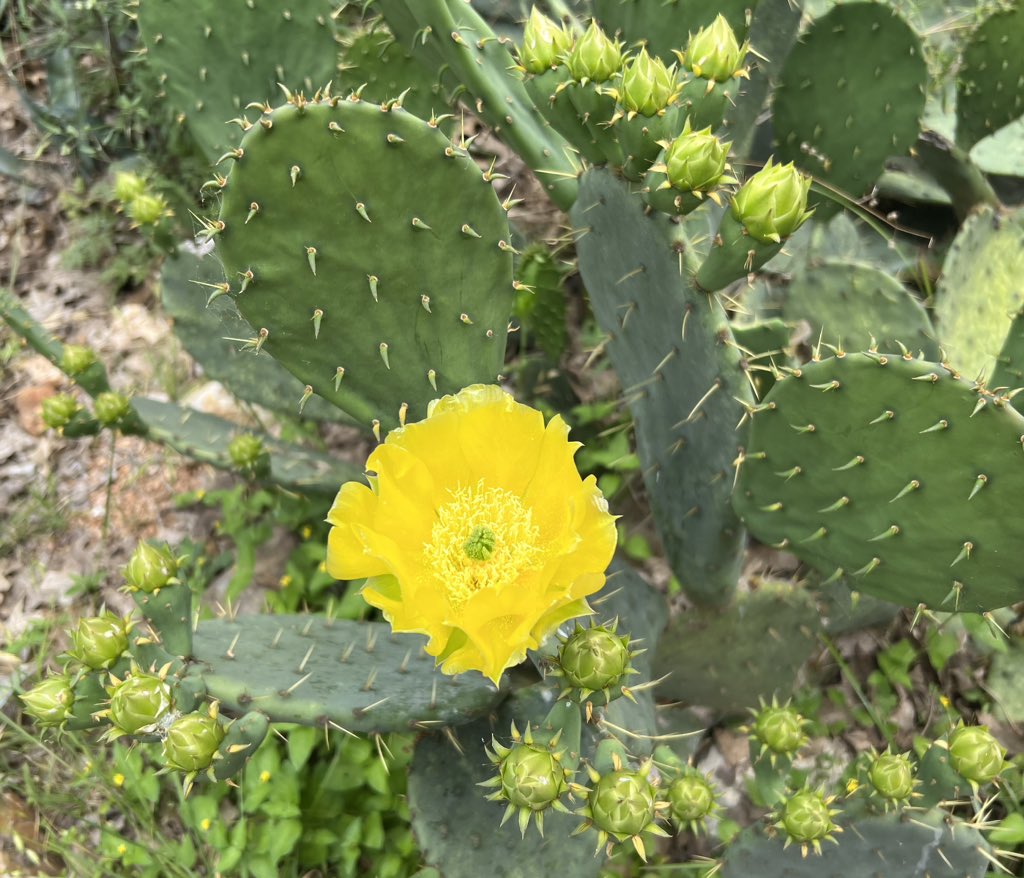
248	454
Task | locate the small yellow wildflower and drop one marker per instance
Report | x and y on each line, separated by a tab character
118	780
323	567
122	849
205	824
944	701
306	532
852	785
285	581
477	530
264	776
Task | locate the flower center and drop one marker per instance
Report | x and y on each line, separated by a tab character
482	538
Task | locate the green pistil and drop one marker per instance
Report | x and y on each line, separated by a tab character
480	545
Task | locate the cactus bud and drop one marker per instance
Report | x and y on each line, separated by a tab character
595	659
772	204
696	161
714	52
691	798
150	568
779	729
648	86
111	408
622	804
544	43
76	358
975	754
531	777
139	702
192	741
806	819
99	641
49	702
58	410
128	187
147	209
595	57
248	453
892	776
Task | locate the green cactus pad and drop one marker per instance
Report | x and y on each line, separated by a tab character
541	305
856	305
850	95
980	291
666	25
226	53
897	473
206	438
315	671
1009	368
384	71
679	368
730	658
207	333
459	833
918	844
376	248
988	89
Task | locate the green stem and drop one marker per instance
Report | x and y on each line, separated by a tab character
850	678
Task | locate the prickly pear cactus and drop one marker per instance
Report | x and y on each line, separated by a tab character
226	53
378	295
679	368
988	89
850	95
896	473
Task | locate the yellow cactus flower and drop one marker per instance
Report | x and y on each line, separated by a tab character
477	530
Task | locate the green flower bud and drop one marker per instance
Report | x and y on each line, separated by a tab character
150	568
76	358
594	659
772	204
622	803
648	86
892	776
544	43
128	186
111	408
58	410
691	798
975	754
807	819
531	777
696	161
714	52
138	702
147	210
192	741
248	453
594	57
99	641
780	729
49	702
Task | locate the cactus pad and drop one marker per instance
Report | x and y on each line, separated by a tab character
850	95
380	260
989	93
225	53
919	844
207	333
679	367
206	438
727	659
856	305
980	291
897	473
316	671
